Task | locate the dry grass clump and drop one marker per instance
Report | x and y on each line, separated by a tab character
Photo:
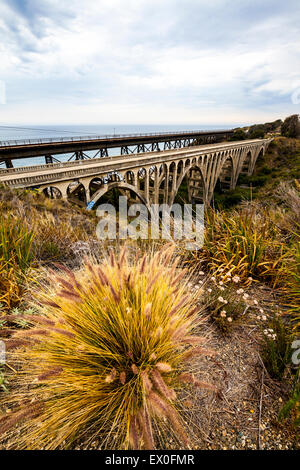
107	358
56	224
291	196
244	241
292	279
55	238
12	287
16	258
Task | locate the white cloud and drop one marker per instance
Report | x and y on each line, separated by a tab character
107	61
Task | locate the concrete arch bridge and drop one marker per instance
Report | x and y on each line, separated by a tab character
152	177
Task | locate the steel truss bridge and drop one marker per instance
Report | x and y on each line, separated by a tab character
77	147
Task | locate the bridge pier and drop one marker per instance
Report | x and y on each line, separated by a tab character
8	164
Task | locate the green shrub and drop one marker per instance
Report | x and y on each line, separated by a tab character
225	299
292	406
276	347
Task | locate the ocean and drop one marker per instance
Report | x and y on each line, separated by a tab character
14	132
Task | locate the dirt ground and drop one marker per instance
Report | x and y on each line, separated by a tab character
244	412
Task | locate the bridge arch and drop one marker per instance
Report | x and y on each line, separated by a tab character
129	178
162	183
180	168
118	185
142	176
195	182
76	190
260	154
172	176
246	164
52	192
225	177
94	185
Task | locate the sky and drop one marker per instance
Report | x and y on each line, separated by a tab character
149	61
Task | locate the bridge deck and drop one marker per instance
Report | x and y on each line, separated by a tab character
29	176
41	147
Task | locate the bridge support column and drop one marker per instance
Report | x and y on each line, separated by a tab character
8	164
48	159
156	187
79	155
104	152
146	190
124	150
141	148
63	189
155	147
166	186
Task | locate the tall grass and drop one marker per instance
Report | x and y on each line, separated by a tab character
243	241
55	238
276	347
108	358
15	243
16	257
293	283
11	286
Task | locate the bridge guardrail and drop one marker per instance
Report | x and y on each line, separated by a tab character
10	143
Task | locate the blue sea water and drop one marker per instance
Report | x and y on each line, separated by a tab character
14	132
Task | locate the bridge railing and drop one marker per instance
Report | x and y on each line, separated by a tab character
43	140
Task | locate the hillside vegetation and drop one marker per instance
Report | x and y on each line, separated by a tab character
152	346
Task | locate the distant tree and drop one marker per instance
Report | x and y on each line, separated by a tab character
273	126
239	134
291	126
257	131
